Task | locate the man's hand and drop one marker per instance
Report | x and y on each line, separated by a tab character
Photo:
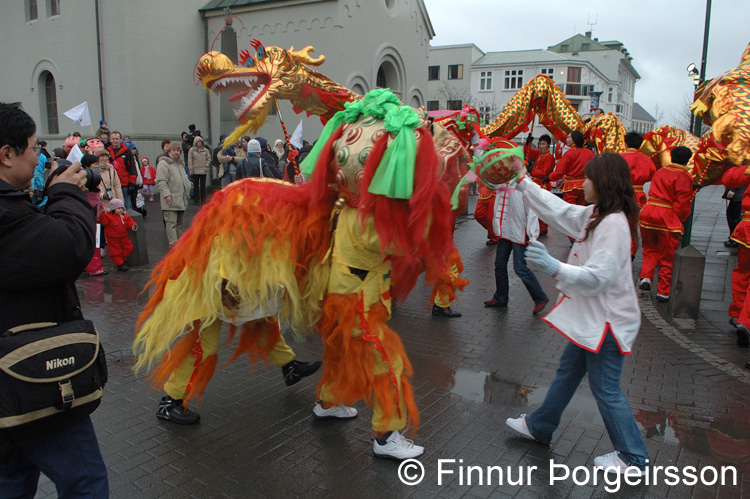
73	174
168	199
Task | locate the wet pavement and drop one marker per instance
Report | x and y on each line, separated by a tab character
686	383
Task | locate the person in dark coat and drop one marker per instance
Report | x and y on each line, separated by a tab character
265	152
42	253
250	166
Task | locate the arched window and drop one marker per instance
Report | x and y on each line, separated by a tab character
381	81
48	103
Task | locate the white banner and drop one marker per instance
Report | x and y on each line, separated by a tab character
296	139
79	114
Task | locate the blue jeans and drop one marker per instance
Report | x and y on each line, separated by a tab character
604	369
70	457
502	255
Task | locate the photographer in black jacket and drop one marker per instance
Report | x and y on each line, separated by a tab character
42	253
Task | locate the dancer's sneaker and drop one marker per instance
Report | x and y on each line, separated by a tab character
519	424
174	411
336	412
612	462
296	370
396	447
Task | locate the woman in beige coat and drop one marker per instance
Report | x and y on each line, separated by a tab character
174	191
110	187
199	159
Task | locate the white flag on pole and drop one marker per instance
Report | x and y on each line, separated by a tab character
296	139
79	114
75	154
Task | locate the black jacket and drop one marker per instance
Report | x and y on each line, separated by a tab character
42	253
250	167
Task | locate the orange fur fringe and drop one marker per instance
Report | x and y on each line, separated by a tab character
248	343
348	360
446	283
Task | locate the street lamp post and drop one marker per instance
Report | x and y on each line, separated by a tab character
696	123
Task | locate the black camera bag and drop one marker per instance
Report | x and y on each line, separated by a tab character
49	369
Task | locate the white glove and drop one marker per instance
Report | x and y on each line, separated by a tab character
536	252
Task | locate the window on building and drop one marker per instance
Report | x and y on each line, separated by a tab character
433	73
618	108
455	105
564	47
574	75
485	80
380	80
484	115
549	72
53	7
50	102
585	46
609	94
455	71
32	12
513	78
433	105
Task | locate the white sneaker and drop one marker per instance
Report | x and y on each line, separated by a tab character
645	284
662	298
519	424
612	462
336	412
396	447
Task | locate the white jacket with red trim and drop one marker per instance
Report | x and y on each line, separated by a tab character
513	220
596	284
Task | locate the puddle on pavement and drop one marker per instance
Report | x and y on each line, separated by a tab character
105	290
492	389
726	441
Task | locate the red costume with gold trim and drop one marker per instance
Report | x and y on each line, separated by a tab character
642	170
668	206
544	165
734	178
570	170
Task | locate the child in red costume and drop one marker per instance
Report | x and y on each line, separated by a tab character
739	310
669	204
544	164
148	173
116	225
570	169
642	169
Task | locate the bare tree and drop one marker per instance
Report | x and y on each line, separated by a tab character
681	118
452	93
658	115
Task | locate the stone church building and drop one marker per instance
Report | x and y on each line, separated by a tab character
133	61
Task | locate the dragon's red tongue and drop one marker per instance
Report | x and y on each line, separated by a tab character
239	96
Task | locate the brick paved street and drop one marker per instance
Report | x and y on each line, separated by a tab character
686	383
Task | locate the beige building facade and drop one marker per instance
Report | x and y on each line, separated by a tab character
133	61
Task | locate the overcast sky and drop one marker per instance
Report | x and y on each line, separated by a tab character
661	41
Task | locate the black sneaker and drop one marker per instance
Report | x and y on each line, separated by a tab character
743	336
123	268
173	410
444	312
296	370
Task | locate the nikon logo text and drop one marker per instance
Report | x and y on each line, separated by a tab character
55	363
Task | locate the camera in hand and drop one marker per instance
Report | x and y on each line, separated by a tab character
93	175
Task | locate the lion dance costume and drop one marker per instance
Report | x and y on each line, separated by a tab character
322	255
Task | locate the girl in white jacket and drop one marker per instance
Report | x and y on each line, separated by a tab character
597	309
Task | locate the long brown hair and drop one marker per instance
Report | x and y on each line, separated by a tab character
610	175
